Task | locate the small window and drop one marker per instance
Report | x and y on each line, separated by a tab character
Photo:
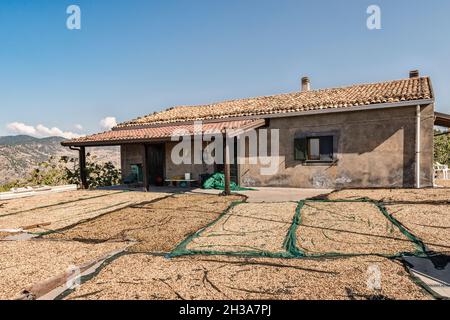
300	149
314	148
136	172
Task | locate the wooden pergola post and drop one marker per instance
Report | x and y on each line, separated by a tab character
145	169
83	173
226	166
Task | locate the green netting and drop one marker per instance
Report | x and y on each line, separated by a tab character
182	249
290	242
291	239
89	276
217	181
421	248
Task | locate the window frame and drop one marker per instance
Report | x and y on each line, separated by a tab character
303	139
140	172
309	156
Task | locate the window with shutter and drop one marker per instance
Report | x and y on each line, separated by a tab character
314	148
300	149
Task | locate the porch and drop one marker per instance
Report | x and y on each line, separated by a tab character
146	151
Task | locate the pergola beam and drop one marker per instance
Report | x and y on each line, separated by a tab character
442	119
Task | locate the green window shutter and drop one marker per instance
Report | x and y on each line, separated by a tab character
300	149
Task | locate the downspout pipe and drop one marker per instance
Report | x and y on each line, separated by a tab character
417	147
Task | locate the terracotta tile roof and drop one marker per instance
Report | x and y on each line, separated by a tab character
118	136
344	97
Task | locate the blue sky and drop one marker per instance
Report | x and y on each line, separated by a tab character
133	57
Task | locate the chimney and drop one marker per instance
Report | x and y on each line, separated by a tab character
306	85
414	74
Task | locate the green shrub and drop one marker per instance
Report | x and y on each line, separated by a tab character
98	175
66	170
442	148
12	184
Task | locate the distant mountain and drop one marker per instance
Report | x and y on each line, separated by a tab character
24	139
20	154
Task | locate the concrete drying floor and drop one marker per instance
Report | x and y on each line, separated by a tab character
269	194
260	194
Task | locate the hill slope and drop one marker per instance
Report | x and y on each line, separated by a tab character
20	154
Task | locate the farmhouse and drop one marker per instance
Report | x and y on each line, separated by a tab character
364	135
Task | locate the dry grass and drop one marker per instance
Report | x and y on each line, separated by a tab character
260	227
23	263
430	223
157	226
348	228
67	208
221	277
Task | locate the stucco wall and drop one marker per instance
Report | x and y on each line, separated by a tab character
179	170
374	149
131	154
134	154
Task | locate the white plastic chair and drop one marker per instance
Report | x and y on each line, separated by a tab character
442	167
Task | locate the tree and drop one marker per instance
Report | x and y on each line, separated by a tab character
51	173
442	148
98	175
66	170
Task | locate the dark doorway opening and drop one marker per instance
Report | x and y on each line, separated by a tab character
155	164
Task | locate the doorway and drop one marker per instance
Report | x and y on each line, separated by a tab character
155	163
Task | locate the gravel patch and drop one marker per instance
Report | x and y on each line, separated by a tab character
430	223
4	234
51	215
255	227
49	200
220	277
395	195
23	263
157	227
348	228
443	183
424	212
